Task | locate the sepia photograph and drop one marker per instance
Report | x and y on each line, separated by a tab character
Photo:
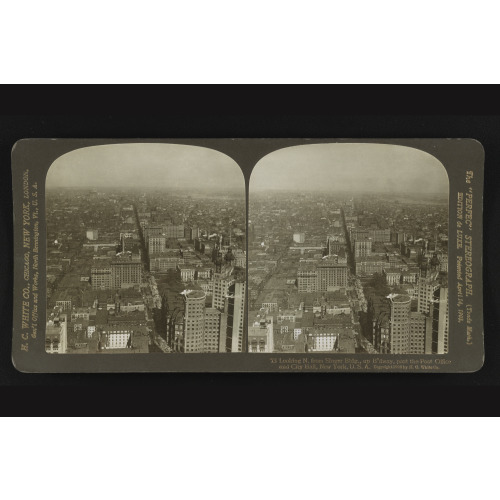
146	251
342	255
348	251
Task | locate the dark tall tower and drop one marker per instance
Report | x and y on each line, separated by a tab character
229	257
434	263
231	337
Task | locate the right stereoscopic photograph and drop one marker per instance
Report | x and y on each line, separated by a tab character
348	251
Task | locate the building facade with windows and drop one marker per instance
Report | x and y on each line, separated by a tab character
194	321
400	324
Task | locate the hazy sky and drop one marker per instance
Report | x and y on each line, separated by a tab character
146	165
350	167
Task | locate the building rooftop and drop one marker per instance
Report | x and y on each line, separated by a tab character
388	270
331	263
400	298
194	294
101	317
183	267
307	319
53	331
257	331
168	253
212	310
126	316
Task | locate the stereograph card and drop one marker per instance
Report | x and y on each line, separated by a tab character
248	255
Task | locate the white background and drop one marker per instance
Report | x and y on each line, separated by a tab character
250	42
318	41
249	458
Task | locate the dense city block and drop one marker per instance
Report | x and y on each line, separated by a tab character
139	271
347	272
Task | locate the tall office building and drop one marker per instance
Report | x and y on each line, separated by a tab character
335	244
400	324
439	314
322	341
151	231
113	337
212	330
126	272
156	244
231	337
398	237
307	279
174	231
240	258
380	235
194	321
162	262
100	275
326	277
417	333
331	277
222	281
426	288
362	247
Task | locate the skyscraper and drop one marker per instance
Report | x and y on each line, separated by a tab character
417	333
212	330
222	281
400	324
194	320
231	338
425	292
438	312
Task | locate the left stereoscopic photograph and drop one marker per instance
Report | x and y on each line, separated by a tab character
145	251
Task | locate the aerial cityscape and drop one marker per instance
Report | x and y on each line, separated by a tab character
146	251
348	251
